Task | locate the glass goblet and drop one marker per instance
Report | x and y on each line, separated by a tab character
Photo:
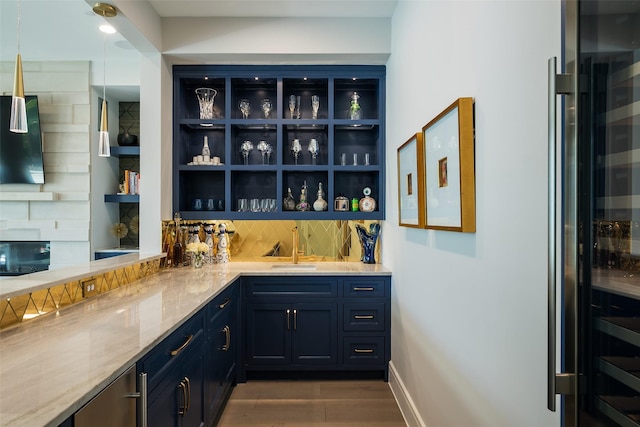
292	104
245	149
262	148
314	149
296	148
245	108
269	151
266	107
315	106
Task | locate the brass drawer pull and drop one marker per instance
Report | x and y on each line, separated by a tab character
370	316
227	338
183	408
224	304
179	349
363	350
358	288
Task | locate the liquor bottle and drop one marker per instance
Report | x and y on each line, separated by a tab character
206	153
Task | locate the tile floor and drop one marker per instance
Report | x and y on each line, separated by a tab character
341	403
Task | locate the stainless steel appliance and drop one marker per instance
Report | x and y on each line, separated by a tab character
116	404
594	216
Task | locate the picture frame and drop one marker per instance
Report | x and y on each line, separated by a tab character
411	182
449	162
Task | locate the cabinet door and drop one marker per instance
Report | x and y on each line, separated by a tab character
314	334
221	366
268	334
178	400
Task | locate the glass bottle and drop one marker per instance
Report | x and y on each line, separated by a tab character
320	204
176	256
289	203
354	109
206	153
303	205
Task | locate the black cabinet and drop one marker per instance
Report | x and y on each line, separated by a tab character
330	324
270	107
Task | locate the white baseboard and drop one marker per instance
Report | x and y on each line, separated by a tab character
405	403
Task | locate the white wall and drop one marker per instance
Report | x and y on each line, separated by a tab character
469	310
64	105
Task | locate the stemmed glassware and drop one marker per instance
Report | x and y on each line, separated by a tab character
269	151
292	104
245	149
266	107
314	149
296	148
262	148
245	108
315	106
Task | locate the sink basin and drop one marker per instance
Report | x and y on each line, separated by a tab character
285	266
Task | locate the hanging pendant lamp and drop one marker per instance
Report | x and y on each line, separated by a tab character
18	119
104	149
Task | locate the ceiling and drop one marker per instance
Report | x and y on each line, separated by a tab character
66	30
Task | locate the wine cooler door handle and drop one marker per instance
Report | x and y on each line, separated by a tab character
559	84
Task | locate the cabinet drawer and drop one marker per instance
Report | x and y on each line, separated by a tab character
364	350
226	301
291	286
364	317
366	288
158	360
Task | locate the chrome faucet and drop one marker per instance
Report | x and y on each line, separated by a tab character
294	251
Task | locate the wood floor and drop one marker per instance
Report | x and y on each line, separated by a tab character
361	403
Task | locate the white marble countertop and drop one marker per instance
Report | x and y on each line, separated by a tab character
52	365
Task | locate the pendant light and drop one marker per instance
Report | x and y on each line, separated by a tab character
104	149
18	119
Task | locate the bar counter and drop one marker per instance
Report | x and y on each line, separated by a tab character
52	365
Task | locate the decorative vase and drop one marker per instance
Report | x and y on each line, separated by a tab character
368	241
320	204
198	260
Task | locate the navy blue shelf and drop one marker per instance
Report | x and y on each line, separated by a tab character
128	151
122	198
335	132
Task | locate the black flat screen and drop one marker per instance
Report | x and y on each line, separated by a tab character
21	153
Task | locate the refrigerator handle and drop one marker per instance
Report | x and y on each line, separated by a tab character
563	383
142	395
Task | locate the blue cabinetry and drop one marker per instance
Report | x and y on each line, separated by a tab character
191	372
350	153
331	324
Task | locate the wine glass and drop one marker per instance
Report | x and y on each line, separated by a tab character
315	106
269	151
245	108
245	149
292	104
314	148
296	148
262	148
266	107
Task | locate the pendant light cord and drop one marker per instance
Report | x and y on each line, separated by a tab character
18	26
104	66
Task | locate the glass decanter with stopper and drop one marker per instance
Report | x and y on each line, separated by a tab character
320	204
354	109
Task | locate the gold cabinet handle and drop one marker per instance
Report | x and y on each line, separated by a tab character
358	288
186	379
295	320
288	319
363	350
183	409
224	304
358	316
227	336
179	349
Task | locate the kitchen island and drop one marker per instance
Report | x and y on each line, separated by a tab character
51	366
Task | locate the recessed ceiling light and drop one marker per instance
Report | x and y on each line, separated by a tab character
106	28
